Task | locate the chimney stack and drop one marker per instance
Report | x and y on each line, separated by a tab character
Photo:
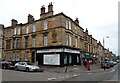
86	30
50	7
1	29
14	22
30	18
43	10
77	21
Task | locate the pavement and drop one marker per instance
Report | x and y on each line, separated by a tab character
52	73
94	68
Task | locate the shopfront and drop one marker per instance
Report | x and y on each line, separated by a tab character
59	56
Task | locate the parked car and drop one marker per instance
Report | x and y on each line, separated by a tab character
105	64
7	65
26	66
112	64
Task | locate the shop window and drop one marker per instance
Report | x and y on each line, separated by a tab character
65	59
77	59
70	59
0	54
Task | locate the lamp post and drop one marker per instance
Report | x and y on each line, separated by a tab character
104	40
104	45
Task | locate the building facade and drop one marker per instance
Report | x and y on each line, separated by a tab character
1	38
50	40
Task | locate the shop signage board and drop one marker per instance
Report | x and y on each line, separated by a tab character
72	51
58	50
49	50
51	59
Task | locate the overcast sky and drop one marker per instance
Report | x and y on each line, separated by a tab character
100	17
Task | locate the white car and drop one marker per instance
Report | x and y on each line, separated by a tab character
26	66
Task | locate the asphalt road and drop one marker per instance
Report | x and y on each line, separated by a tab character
113	76
12	75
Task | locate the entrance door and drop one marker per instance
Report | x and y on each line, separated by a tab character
33	57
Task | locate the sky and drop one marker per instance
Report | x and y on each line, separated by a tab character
100	17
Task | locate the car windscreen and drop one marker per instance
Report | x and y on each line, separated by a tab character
29	64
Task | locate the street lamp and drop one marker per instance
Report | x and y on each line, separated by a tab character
104	40
104	45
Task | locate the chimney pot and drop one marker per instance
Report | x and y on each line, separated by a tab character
77	21
14	22
50	7
30	18
43	9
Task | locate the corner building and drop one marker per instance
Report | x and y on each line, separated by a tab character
50	40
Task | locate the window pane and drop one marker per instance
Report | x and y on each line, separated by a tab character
76	42
45	25
18	31
18	43
34	27
27	29
14	43
13	57
26	42
65	59
34	42
17	56
15	31
69	25
66	24
26	56
9	33
66	39
75	29
45	41
70	40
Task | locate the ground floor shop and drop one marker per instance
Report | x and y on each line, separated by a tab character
59	56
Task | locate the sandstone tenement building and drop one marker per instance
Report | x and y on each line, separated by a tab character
50	40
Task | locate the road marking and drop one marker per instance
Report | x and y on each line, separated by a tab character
51	78
74	75
110	80
89	73
67	76
112	70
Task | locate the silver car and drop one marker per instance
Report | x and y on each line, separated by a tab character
26	66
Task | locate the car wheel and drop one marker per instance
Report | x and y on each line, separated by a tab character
16	68
27	69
